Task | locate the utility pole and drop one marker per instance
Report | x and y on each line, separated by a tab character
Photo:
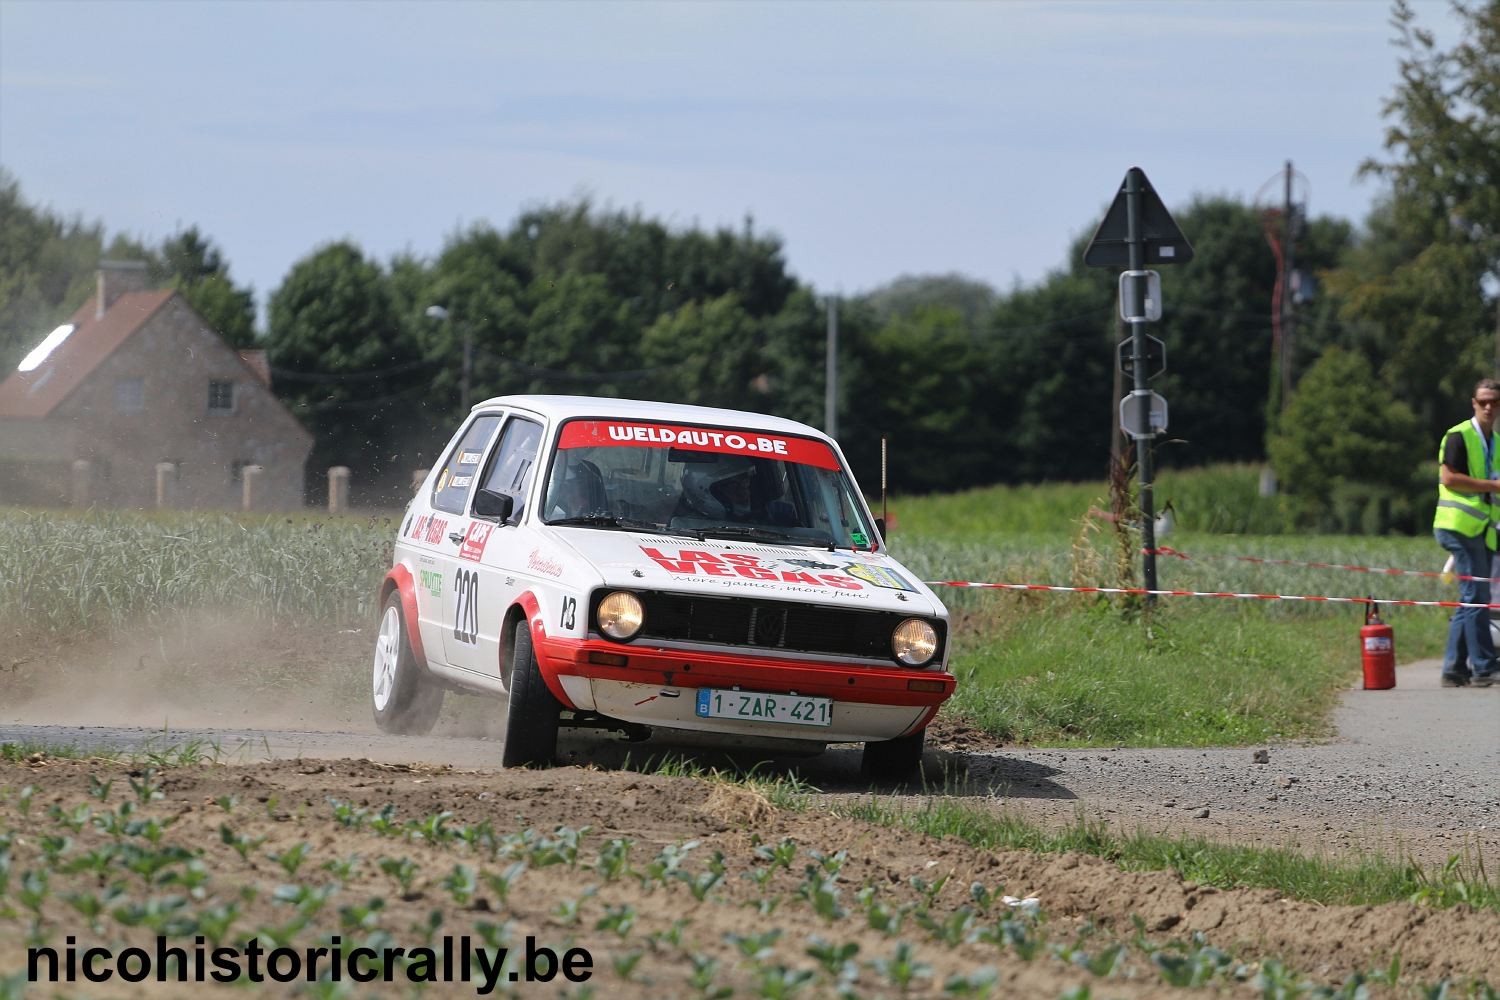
1288	269
1497	336
831	370
1116	437
442	314
468	367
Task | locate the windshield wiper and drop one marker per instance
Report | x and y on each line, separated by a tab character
623	524
590	520
754	533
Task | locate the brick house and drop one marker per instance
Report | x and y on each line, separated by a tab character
141	402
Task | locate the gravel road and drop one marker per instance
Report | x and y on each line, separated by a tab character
1413	770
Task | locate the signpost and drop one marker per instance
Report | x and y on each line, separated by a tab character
1156	357
1138	230
1143	415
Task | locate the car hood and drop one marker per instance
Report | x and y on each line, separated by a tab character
645	561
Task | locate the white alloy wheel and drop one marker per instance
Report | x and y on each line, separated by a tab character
387	652
403	697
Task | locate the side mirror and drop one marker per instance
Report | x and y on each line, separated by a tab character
880	527
494	505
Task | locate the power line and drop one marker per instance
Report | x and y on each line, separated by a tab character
294	375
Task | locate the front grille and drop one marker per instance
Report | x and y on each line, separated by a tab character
780	625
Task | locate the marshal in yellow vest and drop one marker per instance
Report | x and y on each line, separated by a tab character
1467	513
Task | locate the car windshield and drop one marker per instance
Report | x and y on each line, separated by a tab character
706	481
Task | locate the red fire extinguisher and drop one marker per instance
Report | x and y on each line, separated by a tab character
1378	644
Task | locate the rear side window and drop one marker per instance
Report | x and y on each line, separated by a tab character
456	479
514	462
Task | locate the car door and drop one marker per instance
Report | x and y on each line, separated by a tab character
443	536
484	573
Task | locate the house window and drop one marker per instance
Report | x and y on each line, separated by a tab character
220	396
130	395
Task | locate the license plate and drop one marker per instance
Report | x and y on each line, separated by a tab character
753	706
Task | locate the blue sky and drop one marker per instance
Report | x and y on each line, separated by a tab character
877	139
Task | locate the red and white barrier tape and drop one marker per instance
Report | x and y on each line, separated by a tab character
1167	551
1203	593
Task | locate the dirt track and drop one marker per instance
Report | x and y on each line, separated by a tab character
1419	780
1412	771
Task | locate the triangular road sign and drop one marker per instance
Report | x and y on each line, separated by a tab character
1163	241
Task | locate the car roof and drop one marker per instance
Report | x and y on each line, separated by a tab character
567	407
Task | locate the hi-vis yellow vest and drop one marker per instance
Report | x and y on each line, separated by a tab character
1467	513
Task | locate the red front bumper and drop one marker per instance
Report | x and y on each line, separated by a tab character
649	664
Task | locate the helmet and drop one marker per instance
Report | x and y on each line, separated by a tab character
577	488
701	483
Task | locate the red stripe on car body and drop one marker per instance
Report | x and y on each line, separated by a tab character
399	577
539	645
654	665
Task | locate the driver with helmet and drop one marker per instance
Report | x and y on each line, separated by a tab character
577	490
720	489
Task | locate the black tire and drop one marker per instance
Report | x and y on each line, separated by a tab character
893	761
531	718
404	700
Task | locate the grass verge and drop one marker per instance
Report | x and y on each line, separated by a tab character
1365	881
1222	674
1362	880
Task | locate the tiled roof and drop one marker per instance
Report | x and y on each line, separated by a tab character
257	362
38	392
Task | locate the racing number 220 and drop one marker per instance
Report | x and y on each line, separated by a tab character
466	606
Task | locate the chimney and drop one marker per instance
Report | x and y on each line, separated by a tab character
116	278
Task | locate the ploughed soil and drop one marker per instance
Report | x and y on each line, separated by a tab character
269	811
674	886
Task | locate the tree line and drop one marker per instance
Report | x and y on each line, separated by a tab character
970	384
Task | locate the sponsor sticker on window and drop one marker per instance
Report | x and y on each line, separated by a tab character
756	444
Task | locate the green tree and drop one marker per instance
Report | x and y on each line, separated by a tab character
973	300
346	364
1047	378
580	338
708	353
1051	350
923	389
702	266
1445	133
48	266
793	365
481	280
46	270
193	265
1346	461
1414	289
1217	325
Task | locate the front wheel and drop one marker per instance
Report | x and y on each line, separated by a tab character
404	699
531	718
893	761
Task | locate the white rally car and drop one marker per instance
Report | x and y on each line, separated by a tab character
632	565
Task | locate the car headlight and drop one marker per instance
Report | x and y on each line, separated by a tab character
914	642
621	615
